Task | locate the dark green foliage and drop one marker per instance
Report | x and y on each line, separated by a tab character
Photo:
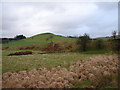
50	39
4	40
115	42
115	45
99	44
83	42
18	37
72	36
7	40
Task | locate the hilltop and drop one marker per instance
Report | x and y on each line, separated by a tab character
40	39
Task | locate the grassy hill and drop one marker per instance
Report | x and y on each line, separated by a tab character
40	39
108	37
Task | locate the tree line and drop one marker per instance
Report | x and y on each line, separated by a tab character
17	37
85	43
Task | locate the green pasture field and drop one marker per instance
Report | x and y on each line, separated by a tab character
38	60
40	39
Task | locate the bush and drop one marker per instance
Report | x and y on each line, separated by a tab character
99	44
18	37
82	42
114	45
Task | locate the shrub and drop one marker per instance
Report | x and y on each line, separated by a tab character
99	44
82	42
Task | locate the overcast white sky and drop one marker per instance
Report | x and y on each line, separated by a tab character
98	19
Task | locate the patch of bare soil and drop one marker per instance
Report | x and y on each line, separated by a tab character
21	53
4	48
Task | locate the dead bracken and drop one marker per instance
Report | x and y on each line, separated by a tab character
93	69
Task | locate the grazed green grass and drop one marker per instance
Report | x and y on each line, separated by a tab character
83	84
95	52
40	39
37	60
22	43
28	62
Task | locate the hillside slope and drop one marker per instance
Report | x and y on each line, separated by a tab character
40	39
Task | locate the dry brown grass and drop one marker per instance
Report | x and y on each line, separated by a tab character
94	69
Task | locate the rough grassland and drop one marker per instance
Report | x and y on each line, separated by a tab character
66	62
96	72
36	60
40	39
